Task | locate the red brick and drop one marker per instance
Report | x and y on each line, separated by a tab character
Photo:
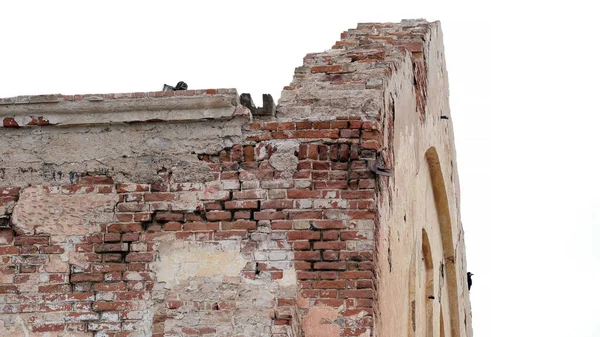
362	293
112	247
172	226
130	295
243	215
128	237
218	215
330	255
301	245
9	250
364	284
328	134
111	258
354	332
100	180
124	188
331	184
166	217
321	166
276	275
337	284
350	133
200	226
54	288
330	235
328	275
307	275
86	278
131	207
112	237
124	217
303	194
313	151
48	327
159	196
279	224
140	257
6	236
322	125
72	189
357	256
366	183
108	267
357	215
124	227
330	265
184	235
8	289
328	293
364	194
94	238
224	235
249	153
269	215
9	191
303	235
27	250
277	204
307	255
240	224
330	245
298	215
142	217
326	69
111	306
328	224
194	217
241	204
55	307
112	286
174	304
352	235
249	194
303	125
31	240
302	265
340	124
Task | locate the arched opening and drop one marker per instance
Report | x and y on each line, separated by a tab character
429	293
443	213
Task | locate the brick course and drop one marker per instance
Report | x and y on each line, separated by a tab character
286	201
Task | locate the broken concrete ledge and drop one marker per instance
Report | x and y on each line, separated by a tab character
173	106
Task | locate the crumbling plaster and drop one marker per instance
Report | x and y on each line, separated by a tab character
178	214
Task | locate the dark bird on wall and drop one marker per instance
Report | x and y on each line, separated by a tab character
181	85
378	168
469	280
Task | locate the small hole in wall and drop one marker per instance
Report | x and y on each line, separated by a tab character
215	306
404	217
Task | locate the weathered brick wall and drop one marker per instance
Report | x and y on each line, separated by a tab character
181	214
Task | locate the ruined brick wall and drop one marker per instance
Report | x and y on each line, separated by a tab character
182	214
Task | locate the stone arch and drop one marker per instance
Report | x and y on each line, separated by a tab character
444	219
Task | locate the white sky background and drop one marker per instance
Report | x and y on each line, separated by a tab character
524	86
